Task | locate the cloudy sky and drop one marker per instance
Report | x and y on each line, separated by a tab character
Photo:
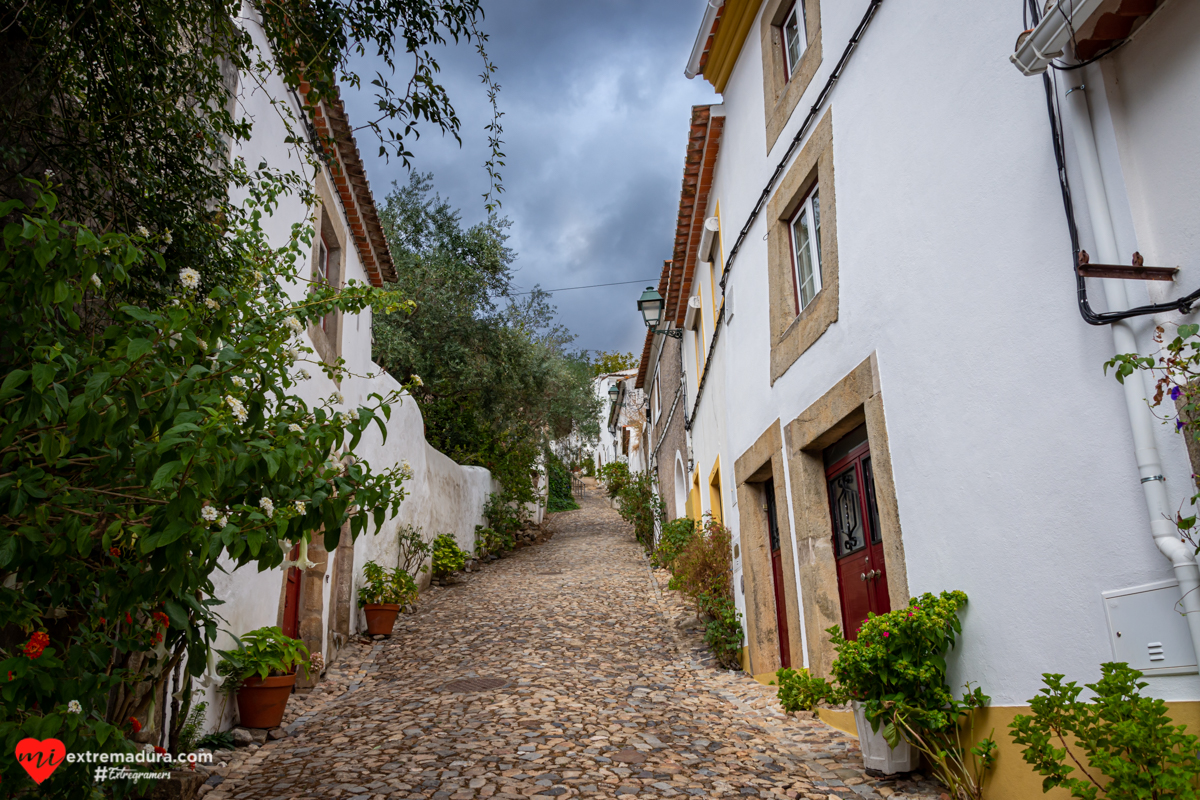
596	110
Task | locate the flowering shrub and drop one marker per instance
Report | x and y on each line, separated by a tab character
127	473
1122	742
897	669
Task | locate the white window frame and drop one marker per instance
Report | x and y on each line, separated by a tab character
790	61
806	286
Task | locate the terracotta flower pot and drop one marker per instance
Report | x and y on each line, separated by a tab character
261	702
381	617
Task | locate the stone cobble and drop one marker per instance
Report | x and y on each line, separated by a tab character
601	688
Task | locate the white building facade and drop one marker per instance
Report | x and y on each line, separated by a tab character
903	396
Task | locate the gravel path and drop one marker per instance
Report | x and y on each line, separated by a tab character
596	686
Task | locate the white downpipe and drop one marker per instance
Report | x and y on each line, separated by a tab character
1141	419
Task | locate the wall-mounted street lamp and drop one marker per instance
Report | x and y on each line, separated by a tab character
651	306
613	391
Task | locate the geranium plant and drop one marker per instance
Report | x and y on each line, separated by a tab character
897	669
261	653
386	586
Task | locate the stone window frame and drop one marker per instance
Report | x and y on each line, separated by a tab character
791	333
782	94
856	399
760	461
328	342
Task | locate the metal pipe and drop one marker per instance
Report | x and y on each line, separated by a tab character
1141	418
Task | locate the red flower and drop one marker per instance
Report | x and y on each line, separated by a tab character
115	552
161	618
161	751
128	619
158	637
134	725
103	621
10	675
36	644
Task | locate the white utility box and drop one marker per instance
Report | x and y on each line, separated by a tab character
1147	629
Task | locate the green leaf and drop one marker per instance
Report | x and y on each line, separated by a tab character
43	374
138	348
177	614
164	474
12	381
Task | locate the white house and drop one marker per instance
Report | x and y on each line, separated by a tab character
319	604
622	420
887	365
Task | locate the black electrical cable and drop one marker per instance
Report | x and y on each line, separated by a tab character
766	192
1183	304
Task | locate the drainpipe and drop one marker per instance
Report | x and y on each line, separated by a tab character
1141	418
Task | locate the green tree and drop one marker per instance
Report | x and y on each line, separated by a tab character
497	379
615	361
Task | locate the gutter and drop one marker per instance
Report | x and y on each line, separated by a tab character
710	16
1049	38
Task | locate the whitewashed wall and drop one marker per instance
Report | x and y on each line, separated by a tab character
441	497
1013	462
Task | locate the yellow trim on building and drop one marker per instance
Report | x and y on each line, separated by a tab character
736	20
715	499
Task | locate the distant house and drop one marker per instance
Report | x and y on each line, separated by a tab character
886	384
623	420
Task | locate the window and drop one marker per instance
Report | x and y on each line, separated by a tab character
805	230
322	275
794	38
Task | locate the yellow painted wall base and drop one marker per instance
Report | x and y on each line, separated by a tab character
1011	778
765	678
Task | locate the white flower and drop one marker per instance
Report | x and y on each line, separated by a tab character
213	304
416	379
201	343
294	428
338	467
337	398
267	506
343	417
295	325
48	174
167	237
141	231
303	374
74	707
407	466
235	405
257	277
222	521
300	506
353	414
189	278
291	353
238	382
208	513
96	280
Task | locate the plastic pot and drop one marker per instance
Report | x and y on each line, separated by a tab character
381	617
261	702
875	751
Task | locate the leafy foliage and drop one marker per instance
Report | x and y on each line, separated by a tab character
447	556
672	538
560	495
386	586
506	516
614	475
615	361
488	542
221	740
412	549
142	445
497	381
723	633
897	669
704	566
1176	374
1122	744
261	652
799	690
642	507
192	729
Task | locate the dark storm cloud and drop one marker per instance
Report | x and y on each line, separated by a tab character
596	111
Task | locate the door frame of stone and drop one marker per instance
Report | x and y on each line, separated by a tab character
854	400
761	461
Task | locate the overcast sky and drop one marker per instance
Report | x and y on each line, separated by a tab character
596	110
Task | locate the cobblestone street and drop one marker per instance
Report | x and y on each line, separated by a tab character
591	684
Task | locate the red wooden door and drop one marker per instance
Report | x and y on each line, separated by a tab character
291	599
781	623
862	578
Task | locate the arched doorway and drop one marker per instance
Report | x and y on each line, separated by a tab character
680	486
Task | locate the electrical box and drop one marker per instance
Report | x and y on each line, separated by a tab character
737	553
1148	631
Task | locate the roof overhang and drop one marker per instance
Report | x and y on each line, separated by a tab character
723	31
353	189
1093	26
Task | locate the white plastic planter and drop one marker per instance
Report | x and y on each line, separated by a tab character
875	751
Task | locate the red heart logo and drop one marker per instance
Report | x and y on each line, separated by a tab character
40	758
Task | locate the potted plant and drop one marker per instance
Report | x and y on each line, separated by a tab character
383	595
895	674
262	671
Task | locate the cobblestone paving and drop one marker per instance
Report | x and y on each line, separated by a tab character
603	691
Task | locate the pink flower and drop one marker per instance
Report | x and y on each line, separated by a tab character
886	634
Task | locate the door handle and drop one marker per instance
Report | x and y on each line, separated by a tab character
862	576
